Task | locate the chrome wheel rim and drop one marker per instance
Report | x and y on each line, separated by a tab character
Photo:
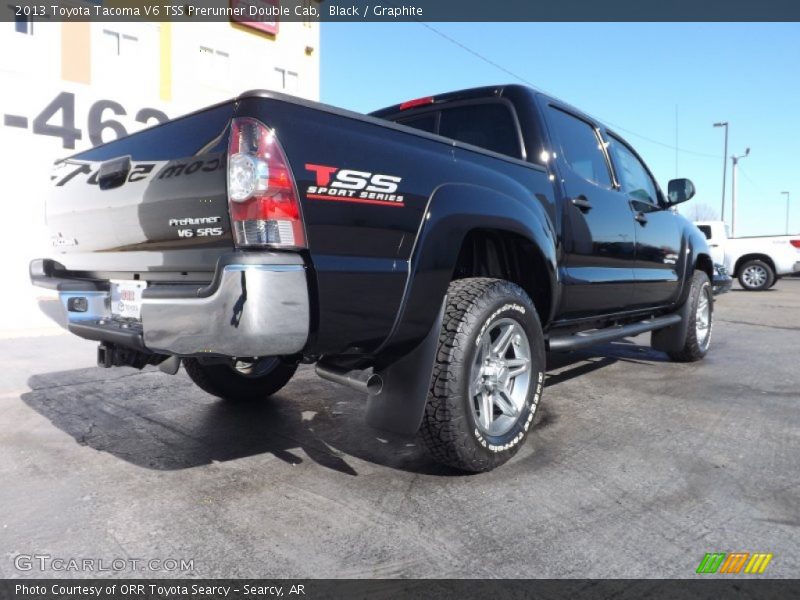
754	276
702	320
500	378
252	369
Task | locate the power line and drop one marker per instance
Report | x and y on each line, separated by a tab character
500	67
476	54
757	187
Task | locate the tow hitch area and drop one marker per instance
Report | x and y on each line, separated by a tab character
111	355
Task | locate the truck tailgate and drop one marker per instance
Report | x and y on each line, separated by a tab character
152	201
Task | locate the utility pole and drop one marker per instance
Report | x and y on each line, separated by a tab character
735	160
724	166
787	211
676	141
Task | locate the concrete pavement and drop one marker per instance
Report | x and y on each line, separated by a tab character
637	468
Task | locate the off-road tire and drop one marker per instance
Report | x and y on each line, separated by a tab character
760	264
695	349
449	428
225	382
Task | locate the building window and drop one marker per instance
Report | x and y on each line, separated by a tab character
22	24
287	81
214	66
119	44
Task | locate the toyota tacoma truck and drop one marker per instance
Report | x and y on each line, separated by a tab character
428	254
757	262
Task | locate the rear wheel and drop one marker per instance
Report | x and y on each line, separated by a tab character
241	379
488	375
756	275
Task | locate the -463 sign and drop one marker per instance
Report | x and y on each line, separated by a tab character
57	119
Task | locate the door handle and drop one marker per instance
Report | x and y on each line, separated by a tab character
641	218
582	202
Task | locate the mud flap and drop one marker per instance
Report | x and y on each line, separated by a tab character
400	406
673	338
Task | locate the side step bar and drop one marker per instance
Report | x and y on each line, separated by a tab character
584	339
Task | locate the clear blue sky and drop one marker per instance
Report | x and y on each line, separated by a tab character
629	75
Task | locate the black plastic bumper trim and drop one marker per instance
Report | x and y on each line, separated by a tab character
45	273
109	334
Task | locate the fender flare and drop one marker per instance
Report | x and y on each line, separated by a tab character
452	212
672	338
405	359
695	246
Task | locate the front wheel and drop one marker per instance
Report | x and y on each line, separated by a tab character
700	315
488	375
240	379
756	275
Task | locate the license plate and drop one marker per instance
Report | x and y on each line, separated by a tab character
126	298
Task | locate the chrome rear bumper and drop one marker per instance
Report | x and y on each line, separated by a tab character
257	310
254	307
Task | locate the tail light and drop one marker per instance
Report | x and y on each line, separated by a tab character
263	202
795	243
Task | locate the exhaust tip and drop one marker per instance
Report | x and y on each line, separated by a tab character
374	384
363	381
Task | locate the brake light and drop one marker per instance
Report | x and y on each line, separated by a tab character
795	243
263	202
417	102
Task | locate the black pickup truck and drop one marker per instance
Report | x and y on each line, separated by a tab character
428	254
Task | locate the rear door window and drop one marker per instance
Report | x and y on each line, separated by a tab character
581	147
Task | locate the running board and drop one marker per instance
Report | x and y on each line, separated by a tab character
584	339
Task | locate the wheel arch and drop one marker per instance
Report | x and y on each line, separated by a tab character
458	216
505	255
753	256
405	359
705	264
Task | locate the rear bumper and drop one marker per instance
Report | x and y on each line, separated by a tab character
256	305
786	265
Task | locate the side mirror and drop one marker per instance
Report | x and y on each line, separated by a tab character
680	190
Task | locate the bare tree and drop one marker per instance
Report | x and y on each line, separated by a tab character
697	211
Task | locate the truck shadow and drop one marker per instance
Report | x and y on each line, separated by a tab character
160	422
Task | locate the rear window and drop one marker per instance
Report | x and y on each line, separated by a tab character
489	125
425	122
